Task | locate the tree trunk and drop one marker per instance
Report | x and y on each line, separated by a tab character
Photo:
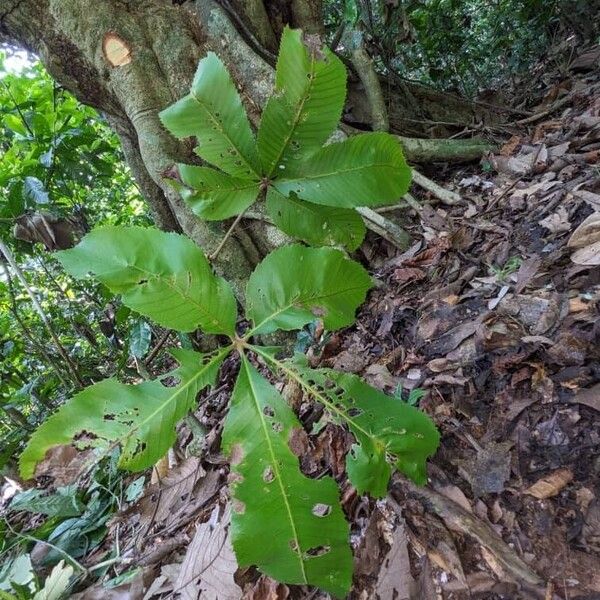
165	42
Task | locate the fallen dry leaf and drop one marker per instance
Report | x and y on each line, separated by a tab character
161	502
395	579
551	484
590	397
63	464
587	233
588	256
558	221
267	589
209	564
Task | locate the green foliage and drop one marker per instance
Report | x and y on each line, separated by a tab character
310	540
139	418
465	45
324	283
269	490
311	190
163	276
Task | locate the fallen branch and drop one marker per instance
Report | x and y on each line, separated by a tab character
458	519
444	150
385	228
444	195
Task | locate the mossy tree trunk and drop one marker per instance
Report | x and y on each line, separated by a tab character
165	42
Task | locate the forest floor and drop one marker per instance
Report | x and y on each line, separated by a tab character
494	312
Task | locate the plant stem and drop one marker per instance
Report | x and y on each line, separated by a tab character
38	307
222	243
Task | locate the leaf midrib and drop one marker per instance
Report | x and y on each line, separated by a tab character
296	120
177	391
180	291
275	465
318	395
225	134
335	172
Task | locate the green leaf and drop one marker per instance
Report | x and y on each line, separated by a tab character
364	170
295	284
56	583
213	112
310	89
140	418
62	503
214	195
33	189
388	431
291	527
164	276
16	124
315	224
140	335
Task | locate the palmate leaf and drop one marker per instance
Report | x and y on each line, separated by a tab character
294	285
213	113
214	195
315	224
140	418
310	89
164	276
365	170
291	527
389	432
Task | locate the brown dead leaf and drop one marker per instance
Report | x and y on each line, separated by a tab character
187	485
209	564
551	484
588	256
404	274
63	464
266	589
395	579
350	361
380	377
557	222
590	397
587	233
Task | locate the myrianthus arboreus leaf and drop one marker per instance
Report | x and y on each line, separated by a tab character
294	285
291	527
140	418
164	276
213	113
389	432
310	88
215	195
315	224
364	170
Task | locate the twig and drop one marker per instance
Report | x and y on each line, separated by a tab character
533	118
214	255
459	519
385	228
157	348
446	196
38	307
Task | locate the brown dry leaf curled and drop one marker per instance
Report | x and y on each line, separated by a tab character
551	484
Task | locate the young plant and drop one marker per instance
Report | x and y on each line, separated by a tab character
167	278
311	191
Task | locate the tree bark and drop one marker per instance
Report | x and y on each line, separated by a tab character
166	42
